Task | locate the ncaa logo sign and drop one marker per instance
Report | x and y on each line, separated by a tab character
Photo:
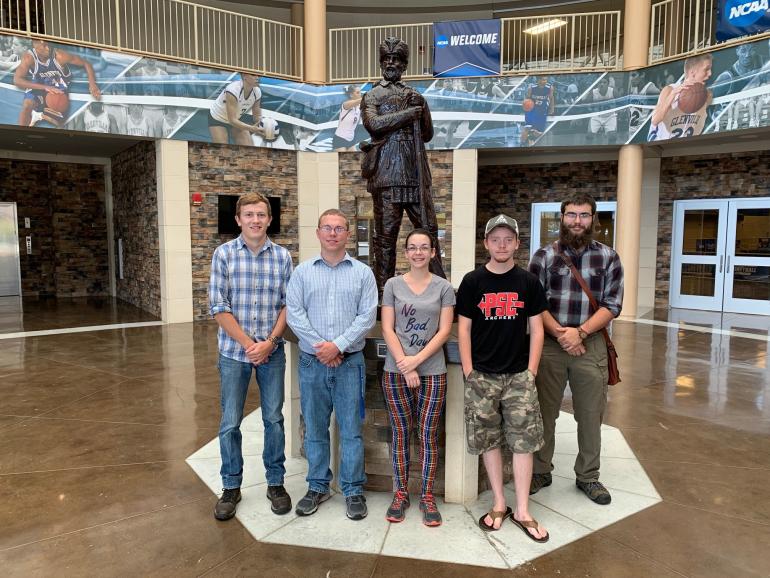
743	12
442	41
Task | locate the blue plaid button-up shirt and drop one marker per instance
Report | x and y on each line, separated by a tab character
251	287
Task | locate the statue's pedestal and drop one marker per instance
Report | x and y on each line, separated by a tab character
457	478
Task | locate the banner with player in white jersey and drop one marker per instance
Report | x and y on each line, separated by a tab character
49	85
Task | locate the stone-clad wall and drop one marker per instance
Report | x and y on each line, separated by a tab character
511	189
65	205
135	215
353	195
222	169
703	177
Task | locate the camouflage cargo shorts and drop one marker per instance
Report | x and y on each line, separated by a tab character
502	407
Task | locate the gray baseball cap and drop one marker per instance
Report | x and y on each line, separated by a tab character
501	221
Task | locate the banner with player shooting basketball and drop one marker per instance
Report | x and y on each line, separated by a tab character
49	85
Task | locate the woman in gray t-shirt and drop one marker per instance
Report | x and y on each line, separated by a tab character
417	312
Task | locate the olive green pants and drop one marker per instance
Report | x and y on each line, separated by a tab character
587	376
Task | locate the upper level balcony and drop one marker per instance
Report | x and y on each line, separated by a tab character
546	39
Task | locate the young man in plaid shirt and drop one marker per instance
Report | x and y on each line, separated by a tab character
247	297
574	349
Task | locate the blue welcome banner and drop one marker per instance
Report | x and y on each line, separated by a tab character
741	18
466	48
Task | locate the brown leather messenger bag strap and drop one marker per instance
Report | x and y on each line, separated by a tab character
594	306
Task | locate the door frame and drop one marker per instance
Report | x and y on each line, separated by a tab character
675	298
724	261
538	209
733	304
15	245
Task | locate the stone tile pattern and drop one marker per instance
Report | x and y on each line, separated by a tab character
703	177
353	188
221	170
511	189
65	205
135	217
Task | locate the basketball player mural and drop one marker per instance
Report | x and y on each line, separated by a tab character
44	73
395	165
538	104
681	108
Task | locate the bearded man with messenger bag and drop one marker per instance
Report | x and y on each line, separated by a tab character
583	281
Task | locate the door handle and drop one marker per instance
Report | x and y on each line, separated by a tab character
728	264
721	262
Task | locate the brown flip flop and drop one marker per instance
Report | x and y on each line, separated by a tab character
495	515
525	524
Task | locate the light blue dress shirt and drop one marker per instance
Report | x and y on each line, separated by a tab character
337	304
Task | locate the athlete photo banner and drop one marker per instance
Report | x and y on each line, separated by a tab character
737	18
466	48
46	85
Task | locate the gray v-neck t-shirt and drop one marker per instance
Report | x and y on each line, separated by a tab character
417	318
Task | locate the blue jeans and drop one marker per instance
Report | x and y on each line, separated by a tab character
340	388
234	378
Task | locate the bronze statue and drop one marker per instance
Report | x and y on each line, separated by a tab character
395	164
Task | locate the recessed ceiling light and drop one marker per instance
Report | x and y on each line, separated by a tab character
545	26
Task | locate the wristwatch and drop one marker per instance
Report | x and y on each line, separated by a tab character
582	333
274	340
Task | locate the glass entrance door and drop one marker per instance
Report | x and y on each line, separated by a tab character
721	256
697	270
747	269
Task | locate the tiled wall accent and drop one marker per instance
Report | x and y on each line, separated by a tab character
135	215
65	205
353	194
223	169
723	176
511	189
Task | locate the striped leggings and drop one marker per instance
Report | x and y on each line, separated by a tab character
425	402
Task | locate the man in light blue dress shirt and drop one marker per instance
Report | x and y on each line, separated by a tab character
331	305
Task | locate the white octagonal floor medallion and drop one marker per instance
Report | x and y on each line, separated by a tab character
561	508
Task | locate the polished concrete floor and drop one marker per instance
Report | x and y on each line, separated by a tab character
95	428
52	313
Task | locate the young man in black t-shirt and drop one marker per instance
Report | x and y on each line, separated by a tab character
495	305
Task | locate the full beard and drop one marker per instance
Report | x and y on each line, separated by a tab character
574	241
391	74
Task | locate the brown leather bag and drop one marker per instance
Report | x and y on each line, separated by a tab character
612	355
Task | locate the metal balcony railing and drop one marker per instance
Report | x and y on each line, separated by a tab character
163	28
552	43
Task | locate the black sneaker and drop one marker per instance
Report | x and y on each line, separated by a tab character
310	502
539	481
595	491
356	507
430	514
280	501
225	507
397	510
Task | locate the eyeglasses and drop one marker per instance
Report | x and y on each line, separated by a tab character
420	249
328	229
583	216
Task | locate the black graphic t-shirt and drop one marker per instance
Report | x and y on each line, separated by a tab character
499	306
